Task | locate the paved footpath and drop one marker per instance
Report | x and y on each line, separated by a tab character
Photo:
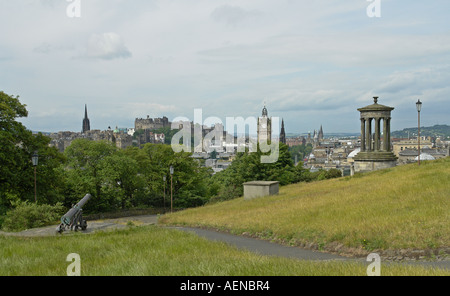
273	249
96	225
262	247
254	245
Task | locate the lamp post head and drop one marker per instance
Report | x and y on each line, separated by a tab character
164	178
171	170
419	106
35	158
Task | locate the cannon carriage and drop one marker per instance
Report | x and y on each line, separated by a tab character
73	219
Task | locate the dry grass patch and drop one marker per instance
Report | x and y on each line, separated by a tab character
399	208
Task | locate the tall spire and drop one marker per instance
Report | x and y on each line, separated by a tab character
86	124
282	133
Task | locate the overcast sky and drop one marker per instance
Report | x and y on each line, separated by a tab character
311	62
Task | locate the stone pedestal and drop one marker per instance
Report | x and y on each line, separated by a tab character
257	189
366	161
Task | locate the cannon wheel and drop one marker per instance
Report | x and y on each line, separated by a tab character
83	225
59	229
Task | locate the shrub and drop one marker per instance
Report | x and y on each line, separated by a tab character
30	215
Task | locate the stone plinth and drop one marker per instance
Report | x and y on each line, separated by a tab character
368	165
257	189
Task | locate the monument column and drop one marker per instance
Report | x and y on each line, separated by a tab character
377	134
388	131
368	134
363	134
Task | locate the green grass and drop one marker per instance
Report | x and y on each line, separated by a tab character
157	251
403	207
407	207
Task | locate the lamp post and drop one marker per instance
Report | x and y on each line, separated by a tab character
171	189
419	108
34	160
164	198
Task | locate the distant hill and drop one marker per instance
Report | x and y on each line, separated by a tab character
442	131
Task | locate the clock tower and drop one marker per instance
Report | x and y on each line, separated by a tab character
264	127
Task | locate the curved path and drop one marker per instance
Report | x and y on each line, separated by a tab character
273	249
92	226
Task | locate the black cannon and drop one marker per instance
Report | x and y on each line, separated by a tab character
73	219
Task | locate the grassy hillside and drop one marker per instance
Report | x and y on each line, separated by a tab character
407	207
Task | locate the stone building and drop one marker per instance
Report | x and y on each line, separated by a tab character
148	136
410	144
151	123
296	141
409	155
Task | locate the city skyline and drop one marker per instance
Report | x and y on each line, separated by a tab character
311	63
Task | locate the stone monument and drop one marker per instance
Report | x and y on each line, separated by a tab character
257	189
376	150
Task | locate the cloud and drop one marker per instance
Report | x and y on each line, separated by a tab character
107	46
313	62
232	15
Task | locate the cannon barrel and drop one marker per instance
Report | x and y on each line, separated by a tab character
67	218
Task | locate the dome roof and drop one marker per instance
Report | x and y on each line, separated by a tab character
354	152
425	156
375	107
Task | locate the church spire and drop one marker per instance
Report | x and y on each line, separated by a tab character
86	124
282	133
321	133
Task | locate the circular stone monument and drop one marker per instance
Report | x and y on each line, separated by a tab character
375	151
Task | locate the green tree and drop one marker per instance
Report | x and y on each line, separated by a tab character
17	145
85	160
301	151
120	179
15	156
189	181
248	167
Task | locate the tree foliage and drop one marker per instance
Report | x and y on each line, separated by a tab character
301	151
120	179
17	145
249	167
